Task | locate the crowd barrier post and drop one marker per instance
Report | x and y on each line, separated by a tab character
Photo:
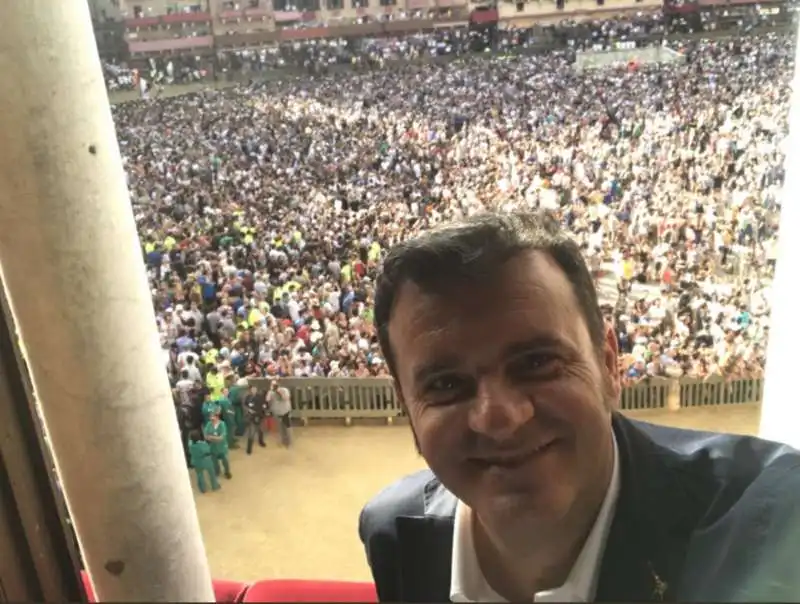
674	396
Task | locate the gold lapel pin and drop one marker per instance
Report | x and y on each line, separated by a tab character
659	585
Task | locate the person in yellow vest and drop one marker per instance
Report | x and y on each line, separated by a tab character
374	252
169	243
214	382
254	317
627	268
210	355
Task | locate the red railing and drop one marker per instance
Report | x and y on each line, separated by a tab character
279	590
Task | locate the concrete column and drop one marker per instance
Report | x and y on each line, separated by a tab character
780	410
78	289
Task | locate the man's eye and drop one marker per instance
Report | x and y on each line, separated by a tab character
442	384
537	364
445	386
540	359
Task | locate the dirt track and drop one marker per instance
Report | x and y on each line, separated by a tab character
294	513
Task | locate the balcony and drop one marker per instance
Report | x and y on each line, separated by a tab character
171	19
524	14
244	21
170	45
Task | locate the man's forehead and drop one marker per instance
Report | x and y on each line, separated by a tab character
534	273
534	309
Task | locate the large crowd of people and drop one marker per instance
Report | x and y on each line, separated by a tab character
264	210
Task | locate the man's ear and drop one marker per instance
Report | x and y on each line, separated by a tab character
611	365
398	395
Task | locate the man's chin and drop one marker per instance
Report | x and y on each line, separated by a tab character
523	506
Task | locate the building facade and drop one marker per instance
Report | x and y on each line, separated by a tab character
202	27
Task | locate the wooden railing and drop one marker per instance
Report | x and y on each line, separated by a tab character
369	398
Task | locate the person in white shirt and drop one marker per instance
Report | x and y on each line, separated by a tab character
280	405
185	384
188	361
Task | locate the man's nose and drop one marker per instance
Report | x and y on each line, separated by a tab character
499	409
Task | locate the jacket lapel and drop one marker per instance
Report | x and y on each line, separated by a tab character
656	513
426	548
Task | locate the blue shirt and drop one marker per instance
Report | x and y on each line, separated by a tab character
185	343
347	301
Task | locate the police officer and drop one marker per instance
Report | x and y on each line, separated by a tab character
189	414
217	436
255	409
184	415
202	461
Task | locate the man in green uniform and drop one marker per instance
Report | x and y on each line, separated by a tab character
217	436
210	407
202	461
236	395
227	415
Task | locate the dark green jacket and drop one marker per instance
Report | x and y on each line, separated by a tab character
200	454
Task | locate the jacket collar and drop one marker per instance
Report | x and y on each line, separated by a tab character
438	500
658	507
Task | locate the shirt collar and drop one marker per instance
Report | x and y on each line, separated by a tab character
468	584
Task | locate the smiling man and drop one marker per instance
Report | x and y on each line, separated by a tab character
537	489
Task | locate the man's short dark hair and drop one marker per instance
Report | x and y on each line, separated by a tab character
472	250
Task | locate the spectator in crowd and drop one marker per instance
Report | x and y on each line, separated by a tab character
280	406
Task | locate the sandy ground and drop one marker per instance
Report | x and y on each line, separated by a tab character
294	514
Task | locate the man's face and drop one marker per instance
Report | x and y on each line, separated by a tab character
508	401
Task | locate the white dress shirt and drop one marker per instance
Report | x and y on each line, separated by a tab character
467	583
